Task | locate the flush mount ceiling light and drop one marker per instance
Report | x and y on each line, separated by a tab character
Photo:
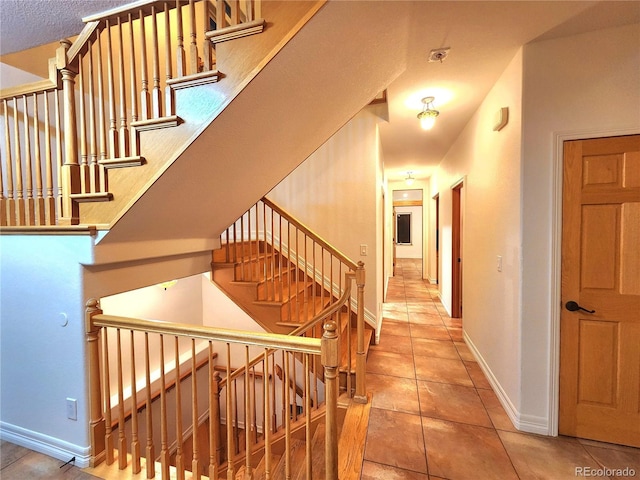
428	114
409	180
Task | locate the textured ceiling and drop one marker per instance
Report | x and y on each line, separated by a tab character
29	23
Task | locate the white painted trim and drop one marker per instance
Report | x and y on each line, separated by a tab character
556	262
525	423
51	446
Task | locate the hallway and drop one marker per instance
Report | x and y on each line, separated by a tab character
434	415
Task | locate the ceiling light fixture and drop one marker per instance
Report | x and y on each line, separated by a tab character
409	180
428	114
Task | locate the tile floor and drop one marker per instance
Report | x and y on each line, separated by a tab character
434	415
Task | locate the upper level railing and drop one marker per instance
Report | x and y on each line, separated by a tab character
118	78
250	405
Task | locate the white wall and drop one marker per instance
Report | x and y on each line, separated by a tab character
580	86
42	357
489	164
337	192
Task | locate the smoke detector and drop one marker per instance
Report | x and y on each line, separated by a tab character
438	54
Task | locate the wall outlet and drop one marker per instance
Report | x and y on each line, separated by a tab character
72	409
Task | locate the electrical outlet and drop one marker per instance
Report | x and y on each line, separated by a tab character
363	250
72	409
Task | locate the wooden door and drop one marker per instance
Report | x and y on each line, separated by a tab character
600	351
456	252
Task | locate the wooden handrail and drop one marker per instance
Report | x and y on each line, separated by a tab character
308	231
259	339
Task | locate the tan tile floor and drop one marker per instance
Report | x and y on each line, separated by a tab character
434	415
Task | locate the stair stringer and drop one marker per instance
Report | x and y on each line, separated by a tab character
273	124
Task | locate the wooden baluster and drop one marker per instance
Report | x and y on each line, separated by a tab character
144	93
297	270
247	415
150	450
124	131
20	213
242	252
122	441
286	381
59	160
181	61
226	247
273	258
168	93
113	132
257	9
84	164
249	10
295	385
11	202
292	293
133	139
135	443
251	264
341	315
214	418
39	204
94	168
322	278
235	242
236	425
193	50
195	462
235	9
3	198
307	415
29	203
306	278
221	20
164	428
206	43
254	413
330	360
229	415
361	385
156	95
272	379
267	417
100	177
314	280
280	261
179	432
108	434
266	245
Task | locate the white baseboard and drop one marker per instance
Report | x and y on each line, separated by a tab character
38	442
522	422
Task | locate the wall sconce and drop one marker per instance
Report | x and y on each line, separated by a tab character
428	114
409	180
168	284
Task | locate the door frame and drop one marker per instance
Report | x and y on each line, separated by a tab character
556	261
457	219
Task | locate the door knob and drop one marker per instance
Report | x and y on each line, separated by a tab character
574	307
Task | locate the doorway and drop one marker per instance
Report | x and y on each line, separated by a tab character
408	230
600	291
456	249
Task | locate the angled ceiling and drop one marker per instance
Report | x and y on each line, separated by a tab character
483	37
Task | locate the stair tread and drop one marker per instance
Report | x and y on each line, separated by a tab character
259	472
296	460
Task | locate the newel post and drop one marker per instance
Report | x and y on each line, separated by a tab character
96	421
215	446
70	170
361	384
330	357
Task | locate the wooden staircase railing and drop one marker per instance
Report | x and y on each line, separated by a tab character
140	346
295	267
63	134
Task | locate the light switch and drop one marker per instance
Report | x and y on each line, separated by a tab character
363	250
499	263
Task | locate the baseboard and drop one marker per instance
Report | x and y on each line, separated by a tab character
38	442
522	422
